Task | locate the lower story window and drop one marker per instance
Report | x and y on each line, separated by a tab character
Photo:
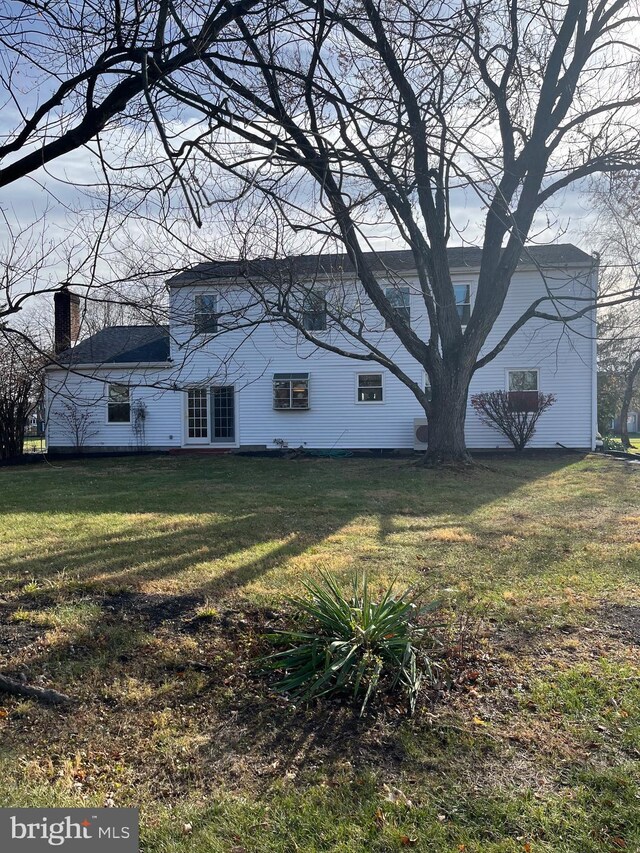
523	390
523	380
118	404
370	388
197	411
290	391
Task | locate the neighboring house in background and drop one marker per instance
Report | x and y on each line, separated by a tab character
35	426
262	385
633	421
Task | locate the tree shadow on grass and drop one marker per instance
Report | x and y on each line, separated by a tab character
209	555
140	702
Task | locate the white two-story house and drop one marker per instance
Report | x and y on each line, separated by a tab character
227	373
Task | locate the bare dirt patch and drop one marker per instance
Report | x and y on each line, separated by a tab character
621	621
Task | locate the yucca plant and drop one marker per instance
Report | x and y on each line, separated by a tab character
352	644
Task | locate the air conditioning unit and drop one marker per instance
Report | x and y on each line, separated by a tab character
420	433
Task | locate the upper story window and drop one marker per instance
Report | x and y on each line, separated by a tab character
523	389
400	300
205	318
118	404
314	311
463	302
370	388
427	385
290	391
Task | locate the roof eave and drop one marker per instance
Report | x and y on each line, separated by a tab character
230	281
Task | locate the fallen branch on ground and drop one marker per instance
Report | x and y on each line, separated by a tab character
17	688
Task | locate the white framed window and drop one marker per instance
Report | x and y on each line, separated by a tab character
369	388
118	404
400	300
463	302
523	380
205	315
290	392
314	311
523	387
426	384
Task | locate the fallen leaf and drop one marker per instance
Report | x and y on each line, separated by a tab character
187	828
395	795
526	847
407	841
618	842
380	818
478	722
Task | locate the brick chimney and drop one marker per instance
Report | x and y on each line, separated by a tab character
67	318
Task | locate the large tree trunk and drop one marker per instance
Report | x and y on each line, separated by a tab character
448	410
626	402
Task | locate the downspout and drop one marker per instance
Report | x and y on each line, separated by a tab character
594	359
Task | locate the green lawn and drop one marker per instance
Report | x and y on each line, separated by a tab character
34	445
142	588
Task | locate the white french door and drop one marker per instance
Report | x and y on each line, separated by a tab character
211	415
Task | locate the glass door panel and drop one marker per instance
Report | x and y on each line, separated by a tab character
197	415
223	414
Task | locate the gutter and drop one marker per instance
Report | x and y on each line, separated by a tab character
594	363
112	365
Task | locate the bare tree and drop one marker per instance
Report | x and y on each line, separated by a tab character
94	65
342	117
616	199
21	372
78	423
619	366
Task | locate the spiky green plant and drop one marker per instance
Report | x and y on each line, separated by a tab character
352	644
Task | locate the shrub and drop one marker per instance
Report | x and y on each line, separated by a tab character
352	645
609	442
513	413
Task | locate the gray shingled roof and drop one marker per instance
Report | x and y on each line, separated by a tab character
547	256
121	345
